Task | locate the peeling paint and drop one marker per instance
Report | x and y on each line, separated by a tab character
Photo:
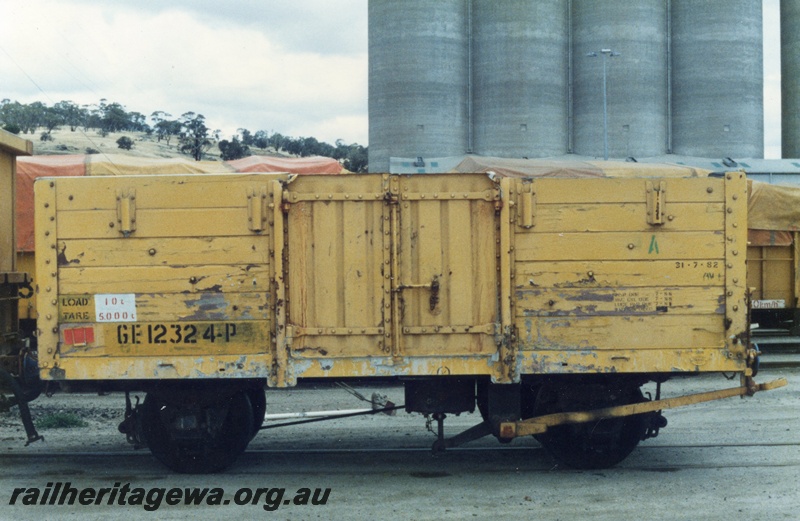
62	259
309	349
590	296
56	373
210	306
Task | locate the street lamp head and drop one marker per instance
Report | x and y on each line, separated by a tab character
592	55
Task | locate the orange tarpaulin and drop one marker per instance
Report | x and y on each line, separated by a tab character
30	168
769	238
301	165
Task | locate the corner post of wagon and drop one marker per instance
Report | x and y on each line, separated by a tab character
737	319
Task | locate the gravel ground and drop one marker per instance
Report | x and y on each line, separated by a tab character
730	459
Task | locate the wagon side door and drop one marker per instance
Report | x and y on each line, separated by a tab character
447	265
337	275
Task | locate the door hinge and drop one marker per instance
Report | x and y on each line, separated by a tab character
257	209
527	206
126	211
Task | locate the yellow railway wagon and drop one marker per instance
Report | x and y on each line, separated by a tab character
538	299
773	254
772	268
18	370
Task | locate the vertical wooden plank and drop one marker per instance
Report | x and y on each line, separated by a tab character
481	250
300	260
280	356
326	264
507	351
461	273
737	319
46	273
428	258
796	269
354	264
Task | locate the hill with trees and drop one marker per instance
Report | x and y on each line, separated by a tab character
91	128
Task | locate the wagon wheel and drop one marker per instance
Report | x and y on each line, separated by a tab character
258	401
594	445
193	437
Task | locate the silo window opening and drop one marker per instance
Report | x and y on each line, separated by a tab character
626	128
523	127
420	128
726	128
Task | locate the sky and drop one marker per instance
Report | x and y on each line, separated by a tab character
298	67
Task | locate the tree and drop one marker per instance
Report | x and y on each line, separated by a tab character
233	149
278	141
166	130
136	122
357	159
51	118
92	116
125	143
11	114
12	127
194	139
163	127
113	118
261	139
247	136
28	117
70	113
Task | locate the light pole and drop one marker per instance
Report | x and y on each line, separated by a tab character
606	54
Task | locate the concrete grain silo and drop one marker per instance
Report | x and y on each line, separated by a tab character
790	78
717	78
513	79
519	78
636	79
418	70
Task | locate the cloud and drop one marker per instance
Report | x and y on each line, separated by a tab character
178	60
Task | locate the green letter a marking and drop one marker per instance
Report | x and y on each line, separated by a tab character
653	245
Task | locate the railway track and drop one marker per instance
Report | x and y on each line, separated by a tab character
32	456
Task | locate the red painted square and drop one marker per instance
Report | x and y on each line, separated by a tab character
79	336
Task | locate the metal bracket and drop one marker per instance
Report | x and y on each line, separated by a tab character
434	286
656	198
257	209
126	211
527	206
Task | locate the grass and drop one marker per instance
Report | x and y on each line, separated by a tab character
66	142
